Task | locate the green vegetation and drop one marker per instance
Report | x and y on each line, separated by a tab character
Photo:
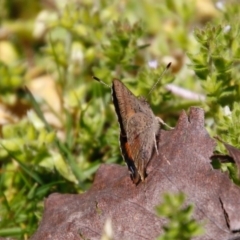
54	139
180	225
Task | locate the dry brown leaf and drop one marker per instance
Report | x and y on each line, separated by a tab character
182	165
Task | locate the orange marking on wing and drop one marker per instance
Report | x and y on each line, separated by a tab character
128	151
130	113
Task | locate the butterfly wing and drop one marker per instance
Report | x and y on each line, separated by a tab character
141	137
126	105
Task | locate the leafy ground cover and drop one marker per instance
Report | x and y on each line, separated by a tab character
57	125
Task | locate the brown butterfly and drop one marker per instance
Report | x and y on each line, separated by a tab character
139	128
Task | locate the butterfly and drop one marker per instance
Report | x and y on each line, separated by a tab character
139	129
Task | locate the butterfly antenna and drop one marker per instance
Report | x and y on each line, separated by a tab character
162	74
99	80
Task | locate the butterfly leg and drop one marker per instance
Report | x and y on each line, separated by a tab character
155	143
163	123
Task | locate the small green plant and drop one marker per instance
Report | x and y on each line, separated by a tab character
228	129
216	62
216	65
180	223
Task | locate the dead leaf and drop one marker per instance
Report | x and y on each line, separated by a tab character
183	164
